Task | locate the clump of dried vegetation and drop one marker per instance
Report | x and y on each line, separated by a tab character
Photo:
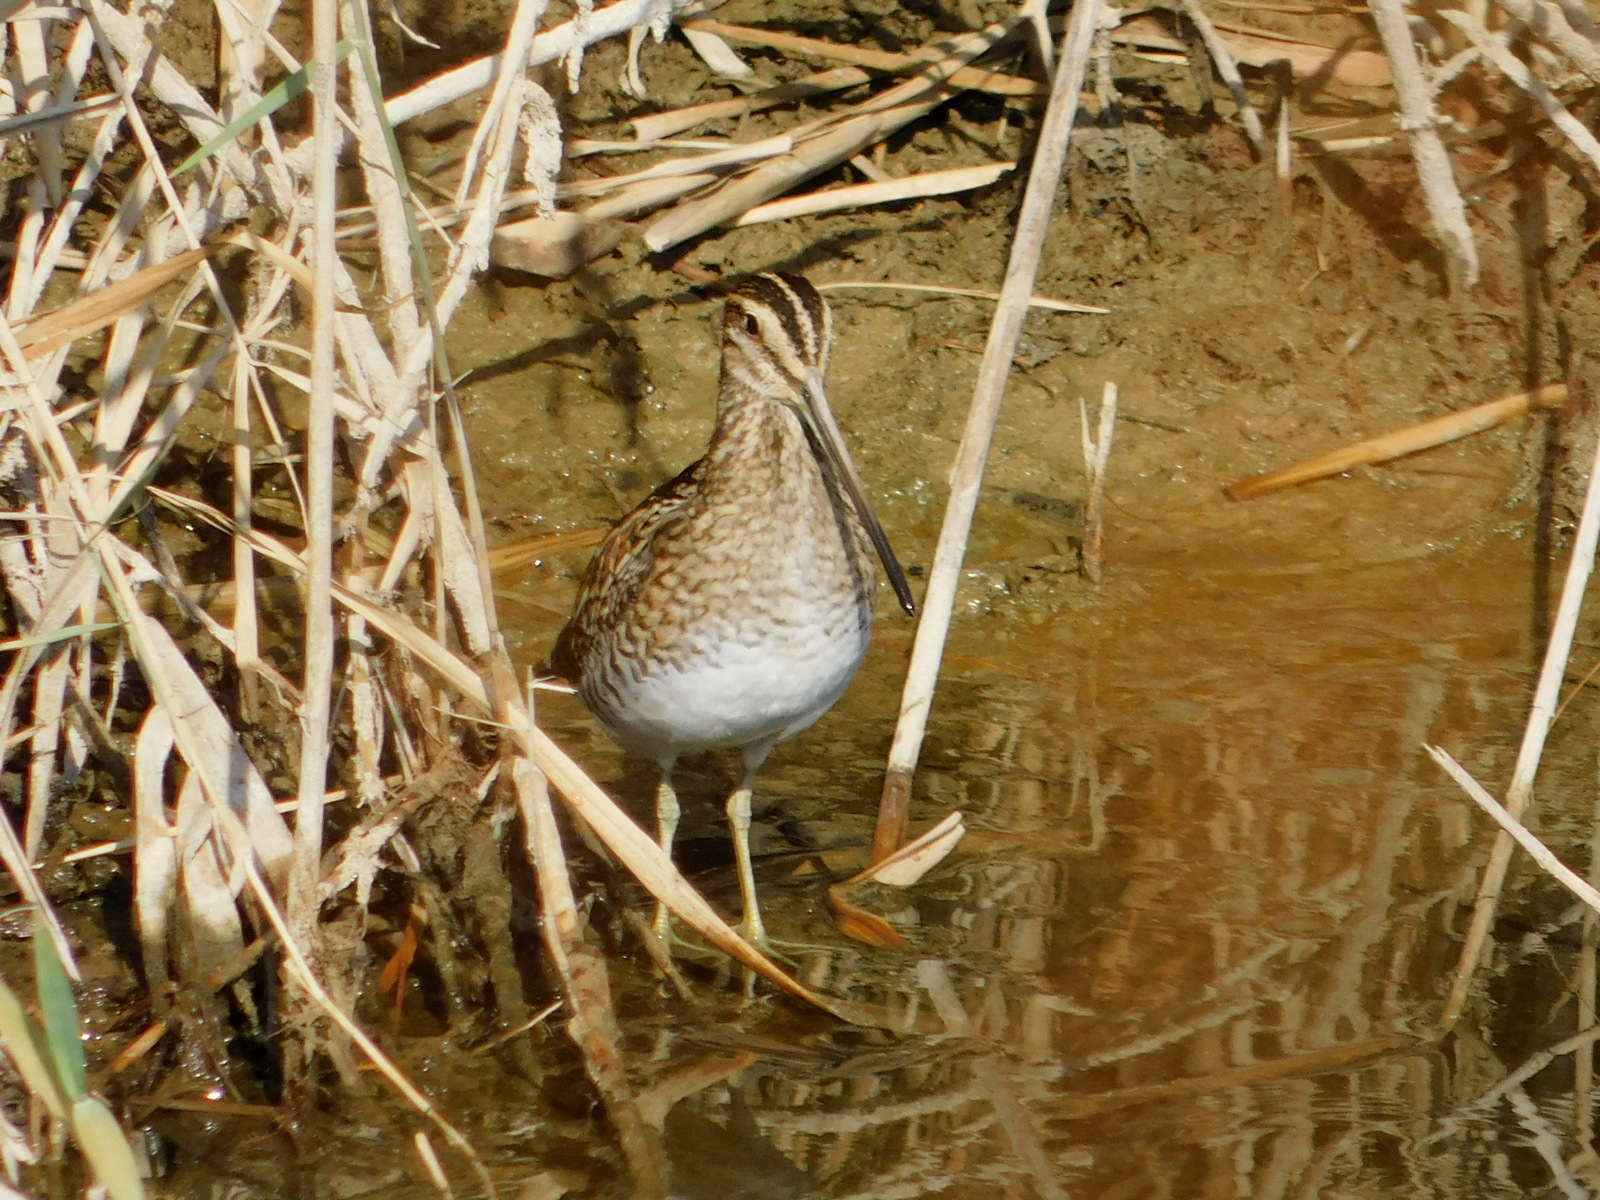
150	667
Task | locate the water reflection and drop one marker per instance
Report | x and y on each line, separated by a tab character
1197	942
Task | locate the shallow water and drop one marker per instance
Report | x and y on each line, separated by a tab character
1198	937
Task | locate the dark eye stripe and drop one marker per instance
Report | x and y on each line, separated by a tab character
797	307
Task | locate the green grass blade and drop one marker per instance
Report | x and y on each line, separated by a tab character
58	635
292	85
60	1013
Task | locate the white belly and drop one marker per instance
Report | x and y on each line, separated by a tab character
732	694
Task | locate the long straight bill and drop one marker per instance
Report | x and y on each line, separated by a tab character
827	436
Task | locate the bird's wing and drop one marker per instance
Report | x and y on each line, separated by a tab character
612	580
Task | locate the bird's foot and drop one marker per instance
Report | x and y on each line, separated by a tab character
783	949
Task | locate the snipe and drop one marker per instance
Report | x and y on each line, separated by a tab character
733	606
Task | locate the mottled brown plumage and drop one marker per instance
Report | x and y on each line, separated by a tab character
733	606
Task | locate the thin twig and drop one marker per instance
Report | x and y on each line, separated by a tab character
967	474
1410	440
907	187
1537	850
1545	695
934	289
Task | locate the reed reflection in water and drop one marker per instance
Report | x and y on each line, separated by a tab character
1198	940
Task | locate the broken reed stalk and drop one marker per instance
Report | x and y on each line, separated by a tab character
908	187
1050	156
1421	123
1546	693
1413	438
825	143
655	126
1229	70
584	979
1495	51
317	691
975	78
1096	454
1537	850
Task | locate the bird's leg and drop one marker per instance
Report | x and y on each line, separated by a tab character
666	830
739	823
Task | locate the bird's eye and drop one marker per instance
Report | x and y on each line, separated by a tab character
751	325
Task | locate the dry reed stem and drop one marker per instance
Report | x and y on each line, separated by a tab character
908	187
1096	454
967	472
1537	850
584	983
664	124
1549	22
1542	713
1259	47
1222	56
385	192
1495	51
319	648
1412	439
431	1164
732	156
934	289
519	38
825	144
1420	122
1037	14
246	643
1283	161
972	78
51	331
584	147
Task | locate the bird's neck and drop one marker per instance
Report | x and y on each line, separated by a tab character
755	437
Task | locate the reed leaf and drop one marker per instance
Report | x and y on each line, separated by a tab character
63	634
292	85
106	1147
60	1012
